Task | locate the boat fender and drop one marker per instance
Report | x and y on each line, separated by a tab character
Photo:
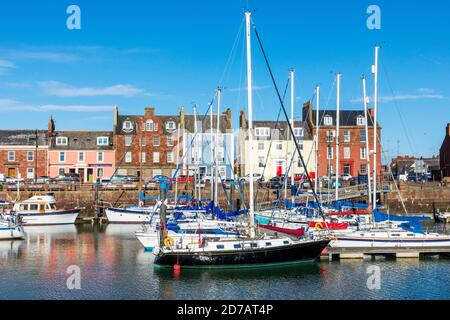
168	242
318	225
141	203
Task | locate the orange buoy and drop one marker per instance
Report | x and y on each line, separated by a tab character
324	251
177	267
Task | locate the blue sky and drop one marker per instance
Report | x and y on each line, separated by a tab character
174	53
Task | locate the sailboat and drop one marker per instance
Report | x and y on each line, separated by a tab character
252	251
388	231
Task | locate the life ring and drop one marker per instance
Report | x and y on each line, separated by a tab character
318	225
168	242
141	203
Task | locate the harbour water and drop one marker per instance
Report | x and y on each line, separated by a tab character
113	265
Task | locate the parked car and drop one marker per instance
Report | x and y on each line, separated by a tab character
403	177
257	177
160	179
277	182
68	178
14	180
44	180
184	179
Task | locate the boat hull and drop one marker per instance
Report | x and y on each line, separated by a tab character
49	218
11	233
127	216
245	258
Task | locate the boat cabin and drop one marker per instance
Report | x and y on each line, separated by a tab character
39	204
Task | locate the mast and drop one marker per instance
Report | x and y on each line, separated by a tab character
316	138
212	153
250	122
338	98
196	187
366	125
178	160
292	75
375	105
216	156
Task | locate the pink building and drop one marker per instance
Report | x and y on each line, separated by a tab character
89	153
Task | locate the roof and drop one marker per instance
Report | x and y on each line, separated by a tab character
346	117
205	125
281	127
82	140
23	137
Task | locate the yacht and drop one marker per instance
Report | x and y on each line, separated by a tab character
42	210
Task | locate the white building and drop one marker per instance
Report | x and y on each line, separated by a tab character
273	149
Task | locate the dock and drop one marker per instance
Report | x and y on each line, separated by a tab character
392	253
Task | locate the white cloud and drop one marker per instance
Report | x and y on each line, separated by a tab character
12	105
404	97
426	90
50	56
60	89
5	65
255	88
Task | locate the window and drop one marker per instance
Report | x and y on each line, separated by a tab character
298	132
260	145
363	169
330	135
80	156
330	170
143	141
30	155
102	141
149	125
99	156
61	171
30	173
11	156
156	141
328	120
347	169
279	145
157	172
220	246
262	132
360	121
155	126
330	153
346	153
143	158
128	157
222	171
362	153
170	141
362	136
155	157
99	172
170	157
170	125
127	125
346	136
62	156
261	162
127	141
61	141
220	155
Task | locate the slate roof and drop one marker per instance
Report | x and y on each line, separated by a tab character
346	117
225	123
23	137
282	127
82	140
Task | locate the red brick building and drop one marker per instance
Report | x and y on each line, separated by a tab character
149	137
352	138
444	154
23	153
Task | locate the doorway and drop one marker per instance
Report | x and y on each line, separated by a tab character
12	172
90	175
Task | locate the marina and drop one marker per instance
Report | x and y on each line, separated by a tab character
273	181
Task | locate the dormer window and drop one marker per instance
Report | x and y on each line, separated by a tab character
102	141
262	132
61	141
127	125
170	125
149	125
360	121
328	120
298	132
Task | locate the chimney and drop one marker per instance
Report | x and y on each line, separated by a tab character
116	115
227	113
182	122
51	127
448	129
372	112
242	121
149	111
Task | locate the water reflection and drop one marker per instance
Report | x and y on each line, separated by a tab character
114	265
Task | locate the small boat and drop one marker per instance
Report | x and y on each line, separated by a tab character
10	226
441	217
129	214
42	210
